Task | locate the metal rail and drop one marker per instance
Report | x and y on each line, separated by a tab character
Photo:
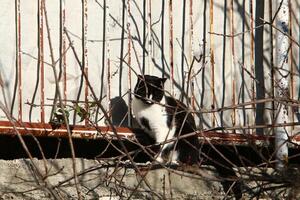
100	132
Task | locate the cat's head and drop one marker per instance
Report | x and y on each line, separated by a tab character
149	89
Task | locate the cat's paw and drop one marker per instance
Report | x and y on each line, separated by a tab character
174	162
148	163
159	159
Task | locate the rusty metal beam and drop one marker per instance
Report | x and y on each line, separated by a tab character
46	130
84	132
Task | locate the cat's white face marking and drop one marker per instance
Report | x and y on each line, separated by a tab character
161	124
157	117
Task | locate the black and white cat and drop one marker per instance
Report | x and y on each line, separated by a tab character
164	118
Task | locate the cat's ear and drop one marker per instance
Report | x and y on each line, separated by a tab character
140	76
163	80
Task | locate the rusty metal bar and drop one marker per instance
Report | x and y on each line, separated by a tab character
46	130
150	43
41	60
191	54
108	55
85	56
19	60
191	49
63	54
233	83
212	58
100	132
252	52
129	60
171	42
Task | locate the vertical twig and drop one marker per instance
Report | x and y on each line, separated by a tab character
60	101
162	32
39	67
272	62
224	61
103	57
17	3
182	51
122	46
203	82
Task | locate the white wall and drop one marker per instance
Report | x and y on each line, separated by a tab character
226	58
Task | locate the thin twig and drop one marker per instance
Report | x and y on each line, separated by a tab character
60	100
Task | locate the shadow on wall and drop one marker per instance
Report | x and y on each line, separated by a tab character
119	113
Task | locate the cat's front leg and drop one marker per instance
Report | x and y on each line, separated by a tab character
159	159
162	157
168	154
163	136
174	157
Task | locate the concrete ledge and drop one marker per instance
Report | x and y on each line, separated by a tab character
19	180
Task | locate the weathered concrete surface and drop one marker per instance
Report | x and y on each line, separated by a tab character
19	180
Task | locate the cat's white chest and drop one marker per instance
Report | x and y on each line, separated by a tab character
156	116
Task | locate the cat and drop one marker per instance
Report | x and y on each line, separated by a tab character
165	118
